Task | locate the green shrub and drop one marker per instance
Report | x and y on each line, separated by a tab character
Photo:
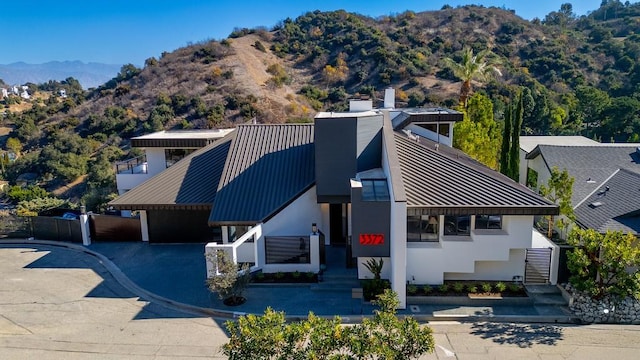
486	287
458	287
427	289
296	274
371	288
260	276
412	289
514	287
472	289
310	274
443	288
279	275
500	287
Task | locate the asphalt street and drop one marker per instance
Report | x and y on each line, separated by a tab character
57	303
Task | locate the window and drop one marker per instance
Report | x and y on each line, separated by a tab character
172	156
422	228
375	190
488	221
457	225
443	130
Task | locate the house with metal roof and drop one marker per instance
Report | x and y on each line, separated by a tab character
279	194
606	188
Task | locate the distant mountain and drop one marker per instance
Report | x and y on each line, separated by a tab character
89	75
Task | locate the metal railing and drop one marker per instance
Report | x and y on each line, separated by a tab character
137	165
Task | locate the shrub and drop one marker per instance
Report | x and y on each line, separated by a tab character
443	288
458	287
427	289
500	287
371	288
514	288
472	289
258	45
229	283
384	336
279	275
310	274
412	289
296	275
486	287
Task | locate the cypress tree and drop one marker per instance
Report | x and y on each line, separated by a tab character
514	152
506	141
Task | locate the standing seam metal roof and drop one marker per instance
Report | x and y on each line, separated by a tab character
268	167
188	184
433	179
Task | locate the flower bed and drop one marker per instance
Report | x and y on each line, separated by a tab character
490	289
284	278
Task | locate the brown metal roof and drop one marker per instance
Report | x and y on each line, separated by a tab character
268	167
446	181
190	184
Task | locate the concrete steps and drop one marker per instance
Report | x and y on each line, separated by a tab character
545	295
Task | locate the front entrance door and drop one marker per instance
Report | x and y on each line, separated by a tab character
337	224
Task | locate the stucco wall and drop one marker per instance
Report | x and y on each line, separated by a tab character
495	270
427	263
296	219
156	162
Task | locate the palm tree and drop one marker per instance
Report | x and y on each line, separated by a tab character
472	67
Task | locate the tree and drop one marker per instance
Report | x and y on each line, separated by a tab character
506	141
600	263
514	151
14	145
559	189
384	336
478	135
229	281
472	67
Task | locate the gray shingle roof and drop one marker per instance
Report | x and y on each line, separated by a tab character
447	181
268	167
617	208
188	184
597	163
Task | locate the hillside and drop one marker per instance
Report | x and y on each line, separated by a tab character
579	75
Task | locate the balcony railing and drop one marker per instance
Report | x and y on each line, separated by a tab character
137	165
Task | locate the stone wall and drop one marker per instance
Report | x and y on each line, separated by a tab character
606	310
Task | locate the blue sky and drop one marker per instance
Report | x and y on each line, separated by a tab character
130	31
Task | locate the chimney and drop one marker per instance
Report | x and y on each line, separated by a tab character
389	98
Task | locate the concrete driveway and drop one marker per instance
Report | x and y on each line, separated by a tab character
60	304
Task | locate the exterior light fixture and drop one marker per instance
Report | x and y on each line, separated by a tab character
314	228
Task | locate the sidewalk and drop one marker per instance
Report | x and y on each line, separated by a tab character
174	275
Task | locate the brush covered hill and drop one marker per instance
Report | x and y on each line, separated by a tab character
580	76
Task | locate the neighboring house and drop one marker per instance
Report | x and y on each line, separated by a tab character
162	149
366	179
606	189
4	93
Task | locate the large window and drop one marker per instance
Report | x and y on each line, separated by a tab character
457	225
488	221
422	228
172	156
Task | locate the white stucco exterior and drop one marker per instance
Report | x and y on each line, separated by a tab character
296	219
485	255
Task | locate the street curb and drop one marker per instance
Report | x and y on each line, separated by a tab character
146	295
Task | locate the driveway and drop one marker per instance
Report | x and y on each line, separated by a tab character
60	304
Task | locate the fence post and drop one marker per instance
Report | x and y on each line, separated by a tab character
84	227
